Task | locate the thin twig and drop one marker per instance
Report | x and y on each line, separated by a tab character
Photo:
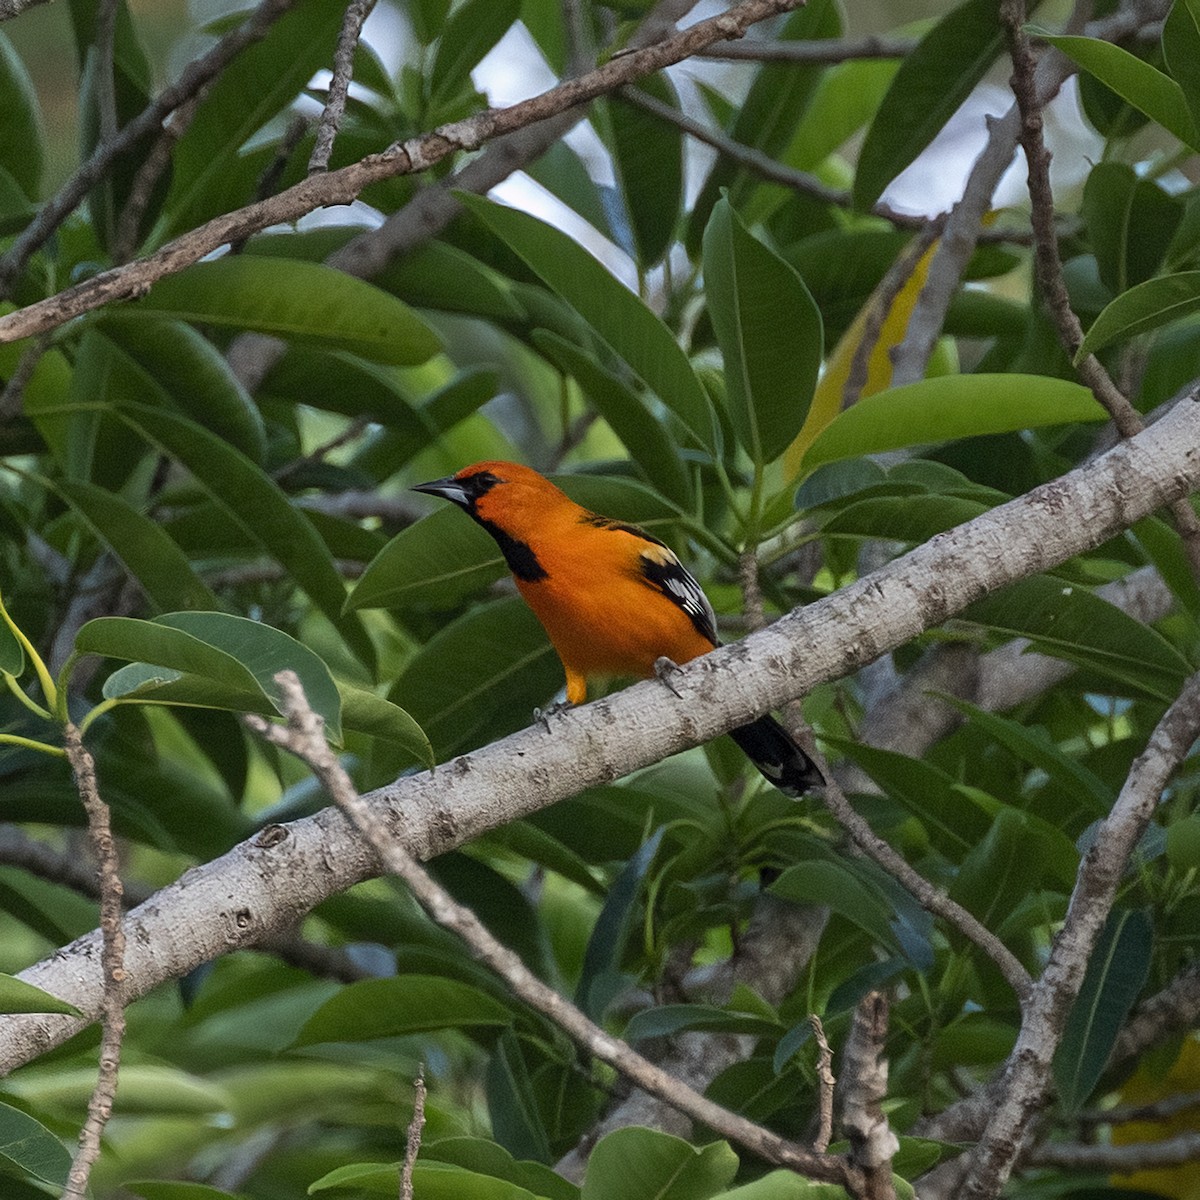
357	12
826	1082
929	897
1134	1156
1026	1083
412	1145
343	185
112	961
873	1145
1049	262
817	52
304	736
195	76
13	397
1158	1110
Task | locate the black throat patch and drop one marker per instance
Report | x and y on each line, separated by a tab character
522	561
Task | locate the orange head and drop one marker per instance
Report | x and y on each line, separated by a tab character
513	503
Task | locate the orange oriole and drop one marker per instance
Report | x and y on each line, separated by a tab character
613	599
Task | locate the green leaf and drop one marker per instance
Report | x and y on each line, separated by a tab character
292	299
473	28
644	1164
211	174
912	519
666	1020
1181	51
1137	82
953	825
1130	221
1147	306
12	653
431	1181
487	1158
194	373
439	275
786	1185
397	1007
150	555
17	996
1116	972
517	1122
950	407
1071	623
752	293
364	712
628	414
845	892
257	505
32	1147
175	1189
479	677
237	658
1005	867
21	140
647	157
928	89
618	317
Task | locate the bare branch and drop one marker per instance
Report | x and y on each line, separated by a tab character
873	1145
342	186
357	12
1134	1156
1026	1083
276	880
412	1145
820	52
112	963
197	74
304	736
826	1082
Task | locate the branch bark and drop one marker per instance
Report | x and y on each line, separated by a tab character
269	882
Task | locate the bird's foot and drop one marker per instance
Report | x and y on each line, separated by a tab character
543	715
664	668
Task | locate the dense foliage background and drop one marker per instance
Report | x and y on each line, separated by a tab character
207	482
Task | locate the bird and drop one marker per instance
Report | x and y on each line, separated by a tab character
612	598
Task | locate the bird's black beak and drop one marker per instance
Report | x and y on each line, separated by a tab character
447	489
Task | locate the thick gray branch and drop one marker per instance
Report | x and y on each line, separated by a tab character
267	883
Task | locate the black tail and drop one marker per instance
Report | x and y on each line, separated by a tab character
771	749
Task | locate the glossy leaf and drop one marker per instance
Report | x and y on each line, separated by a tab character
752	293
292	299
1181	50
1148	89
257	505
1115	975
219	659
471	30
928	89
949	407
439	275
1071	623
149	553
210	175
407	1004
486	1158
364	712
517	1122
647	155
194	373
666	1020
838	888
1148	306
32	1147
479	677
644	1164
619	317
1130	221
21	149
431	1181
628	414
17	996
785	1185
175	1189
